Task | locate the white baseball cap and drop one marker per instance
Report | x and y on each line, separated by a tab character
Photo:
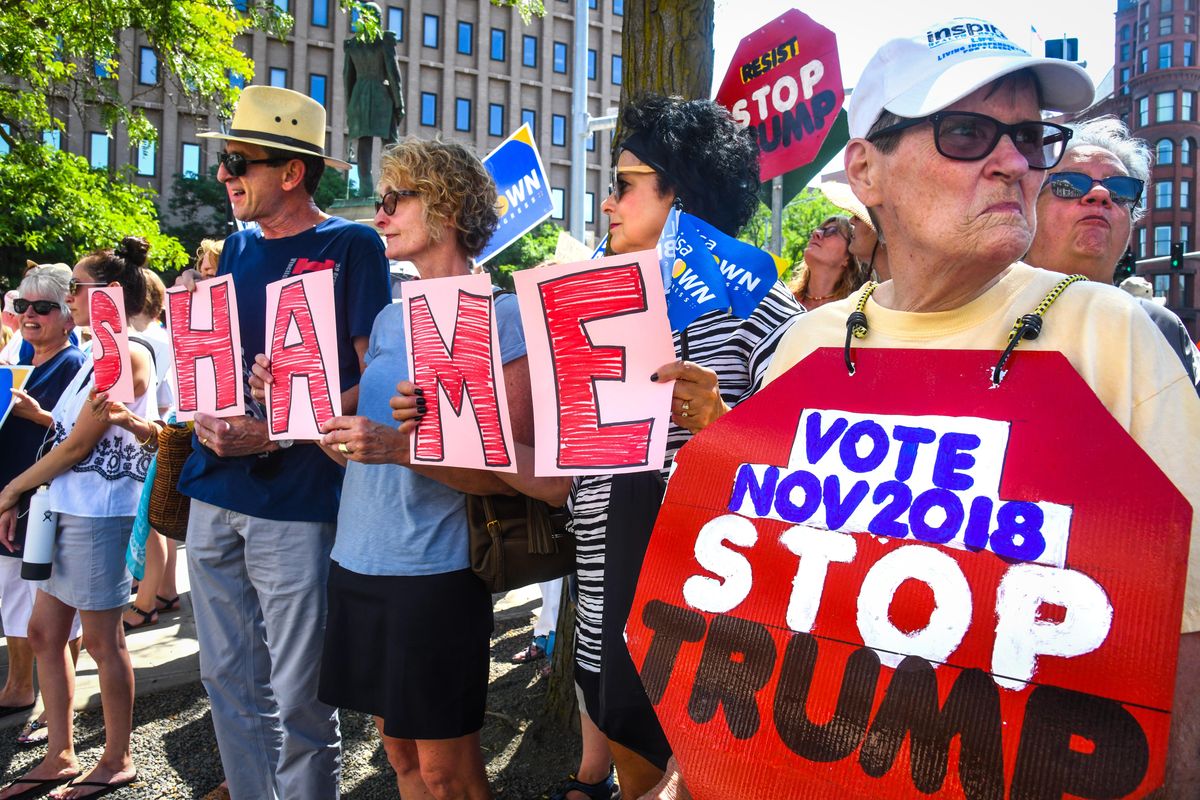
921	75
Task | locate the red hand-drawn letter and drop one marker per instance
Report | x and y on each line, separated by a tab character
110	335
302	342
219	391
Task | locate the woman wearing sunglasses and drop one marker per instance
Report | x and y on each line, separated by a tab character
95	472
1086	211
949	152
829	270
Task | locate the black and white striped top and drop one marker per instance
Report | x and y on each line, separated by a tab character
738	351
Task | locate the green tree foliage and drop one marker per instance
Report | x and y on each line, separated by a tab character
530	250
808	210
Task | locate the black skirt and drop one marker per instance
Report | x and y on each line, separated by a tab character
413	650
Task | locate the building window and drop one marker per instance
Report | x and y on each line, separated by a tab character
591	65
462	114
593	4
558	129
1162	194
1125	75
1143	111
1164	152
560	57
240	5
616	70
278	77
495	119
589	208
146	156
1186	101
1141	252
316	87
1185	150
98	150
558	203
1145	11
466	38
619	7
528	118
1166	6
190	161
1162	285
1124	33
320	13
1162	240
237	81
1143	61
429	31
499	44
1166	52
1166	26
591	142
1164	107
147	66
1189	54
100	68
529	51
395	22
1189	23
1126	51
282	5
1145	31
1185	236
429	109
1185	194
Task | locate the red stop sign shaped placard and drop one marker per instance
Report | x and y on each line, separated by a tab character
1000	666
785	83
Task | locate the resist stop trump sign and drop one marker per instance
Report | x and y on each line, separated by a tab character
907	583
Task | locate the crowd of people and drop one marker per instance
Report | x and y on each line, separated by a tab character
335	574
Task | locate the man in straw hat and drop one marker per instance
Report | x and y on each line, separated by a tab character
263	513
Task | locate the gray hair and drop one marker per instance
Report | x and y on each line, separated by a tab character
50	281
1109	133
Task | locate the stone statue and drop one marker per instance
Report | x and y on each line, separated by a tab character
376	98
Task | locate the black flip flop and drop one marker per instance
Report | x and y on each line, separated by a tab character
7	711
106	787
38	786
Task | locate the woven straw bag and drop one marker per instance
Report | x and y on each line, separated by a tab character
169	508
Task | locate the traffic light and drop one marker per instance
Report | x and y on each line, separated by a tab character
1177	255
1127	265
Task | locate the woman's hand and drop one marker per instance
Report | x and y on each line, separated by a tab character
696	401
109	412
26	407
408	404
359	439
260	376
8	529
188	279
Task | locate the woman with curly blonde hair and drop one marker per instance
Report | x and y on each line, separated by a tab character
829	270
409	624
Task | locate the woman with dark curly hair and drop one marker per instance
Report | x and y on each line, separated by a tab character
96	472
409	624
689	153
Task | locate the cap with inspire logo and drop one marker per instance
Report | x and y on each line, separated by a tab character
921	75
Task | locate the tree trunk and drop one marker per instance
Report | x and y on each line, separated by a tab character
561	708
667	47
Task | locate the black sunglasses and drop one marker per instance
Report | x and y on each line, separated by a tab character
41	307
389	200
831	229
73	285
236	164
966	136
1124	190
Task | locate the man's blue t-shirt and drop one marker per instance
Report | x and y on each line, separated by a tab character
394	521
300	483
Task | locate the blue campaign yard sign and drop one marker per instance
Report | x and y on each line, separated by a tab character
520	177
11	377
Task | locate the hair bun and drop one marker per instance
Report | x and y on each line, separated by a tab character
133	250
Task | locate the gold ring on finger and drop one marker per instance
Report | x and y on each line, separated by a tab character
684	414
342	446
687	406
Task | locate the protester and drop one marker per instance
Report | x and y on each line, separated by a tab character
694	152
544	626
829	271
45	324
865	242
262	514
208	255
1086	211
409	625
949	152
96	474
10	329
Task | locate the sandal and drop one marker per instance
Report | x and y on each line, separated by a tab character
148	618
606	789
26	737
167	605
535	651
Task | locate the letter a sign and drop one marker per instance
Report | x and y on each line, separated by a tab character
858	588
785	84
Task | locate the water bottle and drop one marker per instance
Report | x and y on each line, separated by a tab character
42	524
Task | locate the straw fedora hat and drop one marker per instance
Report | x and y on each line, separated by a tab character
842	196
270	116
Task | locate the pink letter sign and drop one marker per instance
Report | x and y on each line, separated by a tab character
204	327
596	331
302	344
469	369
110	343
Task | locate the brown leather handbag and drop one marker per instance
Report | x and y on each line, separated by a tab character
517	540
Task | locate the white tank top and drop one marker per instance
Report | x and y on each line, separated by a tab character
108	481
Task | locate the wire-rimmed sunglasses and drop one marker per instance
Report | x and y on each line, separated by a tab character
40	307
967	136
391	198
1124	190
73	285
830	229
237	164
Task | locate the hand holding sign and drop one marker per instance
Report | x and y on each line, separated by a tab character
110	337
12	378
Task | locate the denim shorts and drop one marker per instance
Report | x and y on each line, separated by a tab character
89	562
